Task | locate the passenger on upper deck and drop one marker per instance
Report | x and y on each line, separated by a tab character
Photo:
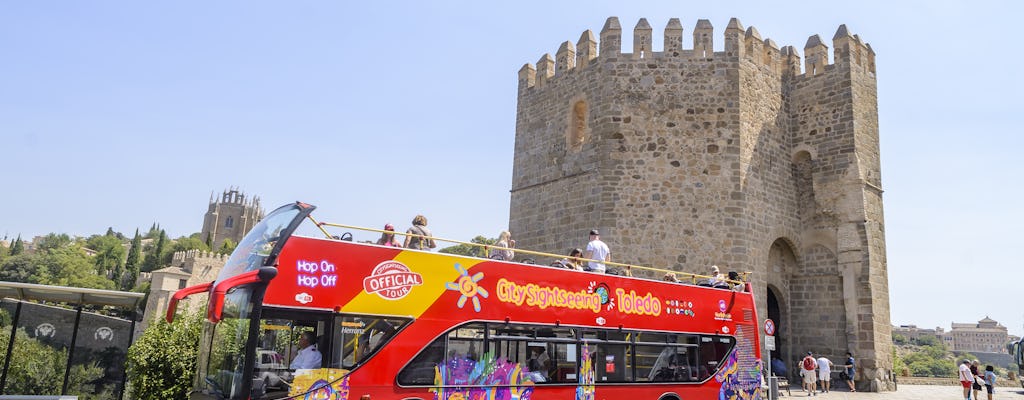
570	262
419	236
716	277
597	250
388	238
735	276
504	240
670	277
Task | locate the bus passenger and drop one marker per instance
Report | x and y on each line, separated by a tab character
597	250
716	278
309	357
670	277
735	276
388	238
504	240
422	239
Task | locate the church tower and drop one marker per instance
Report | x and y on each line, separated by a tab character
230	217
745	158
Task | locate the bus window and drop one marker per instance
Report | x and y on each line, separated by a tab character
713	350
609	350
357	338
466	343
665	363
420	371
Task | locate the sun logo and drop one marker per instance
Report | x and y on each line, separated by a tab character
467	286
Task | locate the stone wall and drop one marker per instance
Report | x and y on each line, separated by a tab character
688	158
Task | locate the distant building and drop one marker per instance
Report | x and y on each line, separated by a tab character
230	217
986	336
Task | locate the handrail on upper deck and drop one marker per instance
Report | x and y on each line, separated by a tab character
693	278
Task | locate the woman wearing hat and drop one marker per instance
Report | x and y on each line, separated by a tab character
387	238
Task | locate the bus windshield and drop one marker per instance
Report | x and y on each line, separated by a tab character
260	246
226	355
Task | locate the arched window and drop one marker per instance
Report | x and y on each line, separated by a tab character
578	125
230	222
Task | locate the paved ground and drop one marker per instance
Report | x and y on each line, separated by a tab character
912	392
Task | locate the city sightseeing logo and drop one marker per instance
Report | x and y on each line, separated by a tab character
391	280
721	315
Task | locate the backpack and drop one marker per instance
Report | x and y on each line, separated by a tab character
809	363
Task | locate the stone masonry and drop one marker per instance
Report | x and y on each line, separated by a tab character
685	158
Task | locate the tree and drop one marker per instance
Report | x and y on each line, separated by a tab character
70	266
37	368
110	255
18	247
227	247
154	258
468	250
162	362
54	241
187	243
154	231
131	265
24	268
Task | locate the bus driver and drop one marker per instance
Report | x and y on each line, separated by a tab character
309	357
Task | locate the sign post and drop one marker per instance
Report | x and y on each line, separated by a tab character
769	343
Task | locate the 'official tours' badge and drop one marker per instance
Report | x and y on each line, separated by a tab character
391	280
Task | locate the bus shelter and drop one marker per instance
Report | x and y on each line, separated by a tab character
52	345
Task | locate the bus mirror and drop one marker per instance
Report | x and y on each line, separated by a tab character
172	306
216	307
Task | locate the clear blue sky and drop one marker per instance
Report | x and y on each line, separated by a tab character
125	113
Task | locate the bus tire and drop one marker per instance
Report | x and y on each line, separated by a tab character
669	396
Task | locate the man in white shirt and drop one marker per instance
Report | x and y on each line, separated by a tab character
966	378
824	373
309	357
597	250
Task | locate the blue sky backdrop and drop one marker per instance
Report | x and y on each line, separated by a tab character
123	113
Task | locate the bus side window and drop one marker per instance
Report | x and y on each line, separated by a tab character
713	350
421	370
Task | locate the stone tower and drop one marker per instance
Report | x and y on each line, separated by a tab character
685	158
230	217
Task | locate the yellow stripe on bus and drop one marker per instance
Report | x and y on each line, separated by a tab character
436	272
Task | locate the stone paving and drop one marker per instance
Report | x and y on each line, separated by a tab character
912	392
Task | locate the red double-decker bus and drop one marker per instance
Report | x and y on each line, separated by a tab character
393	323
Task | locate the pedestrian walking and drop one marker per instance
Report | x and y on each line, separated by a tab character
807	367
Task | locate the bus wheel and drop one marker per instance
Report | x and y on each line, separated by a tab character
669	396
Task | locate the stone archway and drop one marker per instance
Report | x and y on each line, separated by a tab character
782	264
774	303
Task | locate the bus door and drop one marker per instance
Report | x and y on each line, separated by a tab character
342	343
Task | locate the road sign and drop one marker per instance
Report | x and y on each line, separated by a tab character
769	342
769	327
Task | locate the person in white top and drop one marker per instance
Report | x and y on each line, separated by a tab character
309	357
716	279
824	373
597	250
966	378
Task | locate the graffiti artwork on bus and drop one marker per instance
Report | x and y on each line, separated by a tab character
490	378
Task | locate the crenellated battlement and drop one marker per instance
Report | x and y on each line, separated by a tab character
739	44
180	257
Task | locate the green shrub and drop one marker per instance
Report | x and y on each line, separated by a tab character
162	363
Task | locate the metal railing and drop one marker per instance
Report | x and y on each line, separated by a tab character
627	269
